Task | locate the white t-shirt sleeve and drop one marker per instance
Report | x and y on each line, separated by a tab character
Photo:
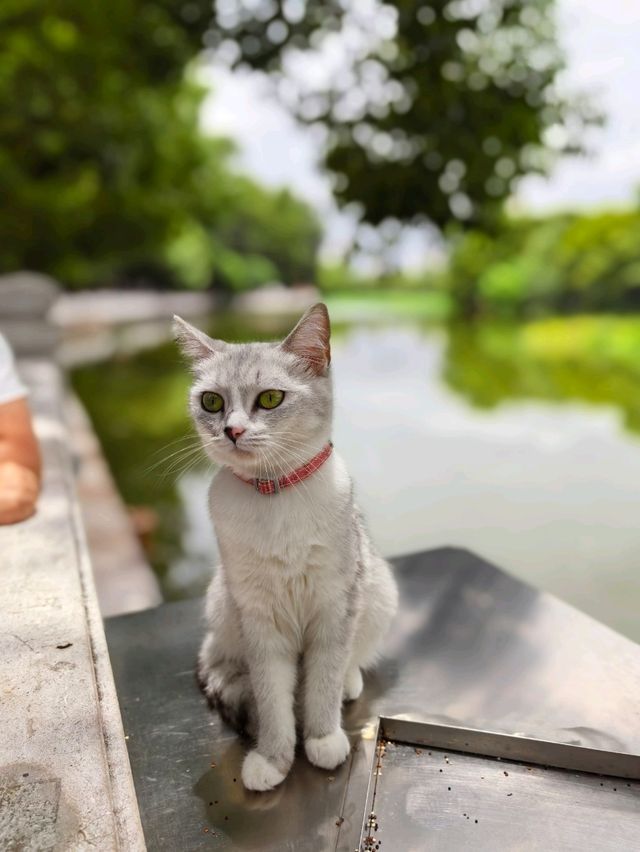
10	385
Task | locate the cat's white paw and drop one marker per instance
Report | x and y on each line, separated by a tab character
328	752
259	774
352	685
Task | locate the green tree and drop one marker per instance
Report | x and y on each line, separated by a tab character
102	165
565	263
247	237
436	110
440	106
76	190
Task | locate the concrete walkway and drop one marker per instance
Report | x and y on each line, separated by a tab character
65	779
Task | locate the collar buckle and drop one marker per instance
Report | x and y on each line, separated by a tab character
260	483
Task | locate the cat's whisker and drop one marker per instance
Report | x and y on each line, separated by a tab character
189	437
285	450
190	440
282	465
294	447
195	463
182	455
166	458
305	496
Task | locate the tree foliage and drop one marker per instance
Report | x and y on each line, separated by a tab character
249	236
437	107
563	264
102	164
431	110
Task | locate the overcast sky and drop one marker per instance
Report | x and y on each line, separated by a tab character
602	43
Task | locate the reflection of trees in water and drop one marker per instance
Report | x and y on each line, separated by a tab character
138	408
489	364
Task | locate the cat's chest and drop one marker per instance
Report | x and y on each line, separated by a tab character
291	541
289	533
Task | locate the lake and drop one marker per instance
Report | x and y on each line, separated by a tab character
460	436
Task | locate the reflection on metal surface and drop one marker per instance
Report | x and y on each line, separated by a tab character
427	798
472	647
513	747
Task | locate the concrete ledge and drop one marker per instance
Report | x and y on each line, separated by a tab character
26	299
97	324
123	578
65	779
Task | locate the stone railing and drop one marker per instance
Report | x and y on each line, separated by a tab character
65	779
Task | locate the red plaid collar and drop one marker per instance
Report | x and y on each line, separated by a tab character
275	486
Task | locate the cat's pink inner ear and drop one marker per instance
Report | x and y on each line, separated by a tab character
309	340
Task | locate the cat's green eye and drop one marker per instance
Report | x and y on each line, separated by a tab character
270	399
212	402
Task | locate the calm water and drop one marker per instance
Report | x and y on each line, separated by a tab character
546	489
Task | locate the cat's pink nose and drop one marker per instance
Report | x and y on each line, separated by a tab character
234	432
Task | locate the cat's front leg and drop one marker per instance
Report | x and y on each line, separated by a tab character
325	664
273	671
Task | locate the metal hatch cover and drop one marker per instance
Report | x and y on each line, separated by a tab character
472	647
427	798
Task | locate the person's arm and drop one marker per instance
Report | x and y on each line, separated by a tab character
19	463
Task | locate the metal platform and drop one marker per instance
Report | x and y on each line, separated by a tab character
473	651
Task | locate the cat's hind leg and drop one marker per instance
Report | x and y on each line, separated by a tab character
226	685
352	683
222	670
379	606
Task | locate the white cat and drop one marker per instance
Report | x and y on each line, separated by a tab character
301	602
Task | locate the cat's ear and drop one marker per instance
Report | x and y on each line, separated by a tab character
195	344
309	340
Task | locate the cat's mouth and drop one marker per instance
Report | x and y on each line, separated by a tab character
236	448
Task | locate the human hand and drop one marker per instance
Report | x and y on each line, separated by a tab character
19	488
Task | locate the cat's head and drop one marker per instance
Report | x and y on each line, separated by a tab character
261	409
